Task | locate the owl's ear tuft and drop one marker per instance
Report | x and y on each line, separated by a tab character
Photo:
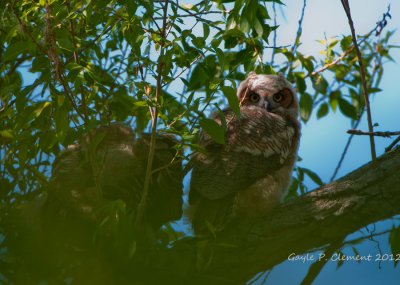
281	75
251	74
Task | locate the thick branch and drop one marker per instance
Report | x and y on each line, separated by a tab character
367	195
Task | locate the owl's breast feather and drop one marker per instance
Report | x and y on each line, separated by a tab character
269	135
259	132
264	195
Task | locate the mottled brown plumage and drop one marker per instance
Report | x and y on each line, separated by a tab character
110	164
250	173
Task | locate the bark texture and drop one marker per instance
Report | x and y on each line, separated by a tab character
319	218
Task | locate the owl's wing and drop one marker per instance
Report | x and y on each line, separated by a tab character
71	190
257	144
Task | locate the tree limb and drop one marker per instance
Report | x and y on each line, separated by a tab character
317	219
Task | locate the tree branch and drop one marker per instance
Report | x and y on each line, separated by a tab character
377	134
377	30
392	145
317	219
143	200
346	7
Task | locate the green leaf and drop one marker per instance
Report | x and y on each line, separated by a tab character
374	90
61	120
323	110
345	43
233	100
347	109
187	6
233	37
258	27
356	253
15	49
394	241
206	30
141	104
334	99
198	42
306	104
320	84
341	71
300	82
8	134
244	24
333	43
314	176
306	62
340	260
214	130
40	107
132	249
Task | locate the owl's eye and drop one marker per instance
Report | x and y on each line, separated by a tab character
254	97
278	97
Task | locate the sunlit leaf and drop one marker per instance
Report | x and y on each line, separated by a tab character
6	134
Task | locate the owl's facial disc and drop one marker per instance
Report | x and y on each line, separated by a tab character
270	92
283	98
280	102
257	100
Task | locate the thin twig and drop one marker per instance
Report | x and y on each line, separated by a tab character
392	145
76	59
197	14
360	239
346	148
183	70
377	30
346	7
378	64
376	134
275	34
143	201
194	122
54	58
298	35
333	63
316	267
92	42
300	27
26	31
198	18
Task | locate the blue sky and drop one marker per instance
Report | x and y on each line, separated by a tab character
327	137
323	140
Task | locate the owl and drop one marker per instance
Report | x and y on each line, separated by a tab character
248	175
116	171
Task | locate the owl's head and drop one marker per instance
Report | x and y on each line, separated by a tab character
271	92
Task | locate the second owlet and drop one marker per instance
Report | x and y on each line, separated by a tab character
250	174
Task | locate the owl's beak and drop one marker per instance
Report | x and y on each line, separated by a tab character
266	105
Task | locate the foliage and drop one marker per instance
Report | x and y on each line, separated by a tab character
69	66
